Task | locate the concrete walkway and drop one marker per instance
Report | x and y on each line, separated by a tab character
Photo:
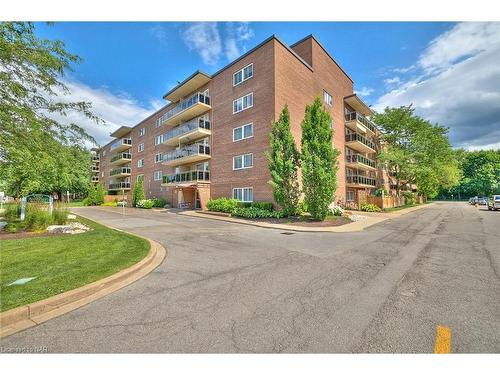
226	288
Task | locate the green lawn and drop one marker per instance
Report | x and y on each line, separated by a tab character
65	262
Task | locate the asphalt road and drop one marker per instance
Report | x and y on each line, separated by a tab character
226	287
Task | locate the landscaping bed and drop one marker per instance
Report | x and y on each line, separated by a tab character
62	262
304	221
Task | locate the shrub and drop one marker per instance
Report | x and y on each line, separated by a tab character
12	212
303	207
222	205
369	207
99	195
138	193
110	204
37	218
256	213
159	202
335	210
144	203
409	198
263	205
60	215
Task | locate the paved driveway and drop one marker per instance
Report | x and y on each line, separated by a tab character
232	288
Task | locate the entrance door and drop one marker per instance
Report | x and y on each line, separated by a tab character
197	201
180	199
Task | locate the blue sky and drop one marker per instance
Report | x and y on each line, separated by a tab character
127	67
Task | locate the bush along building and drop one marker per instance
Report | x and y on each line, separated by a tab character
210	140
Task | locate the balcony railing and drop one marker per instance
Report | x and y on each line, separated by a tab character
198	123
361	180
123	170
362	119
121	142
194	149
122	155
95	178
95	169
183	105
359	138
119	186
358	158
95	158
189	176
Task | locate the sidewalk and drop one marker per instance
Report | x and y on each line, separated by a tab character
372	219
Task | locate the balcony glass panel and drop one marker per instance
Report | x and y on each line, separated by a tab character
189	176
194	149
183	105
362	119
359	138
198	123
362	180
357	158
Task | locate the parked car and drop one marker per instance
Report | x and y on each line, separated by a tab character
483	201
494	202
472	200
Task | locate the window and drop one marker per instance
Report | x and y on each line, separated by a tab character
157	176
243	161
103	152
140	147
140	163
243	74
243	194
158	158
158	139
140	177
327	98
243	103
142	131
243	132
350	196
102	174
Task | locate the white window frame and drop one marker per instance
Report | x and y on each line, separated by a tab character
242	98
243	79
161	157
243	193
142	132
140	163
158	174
326	95
242	127
242	156
140	147
158	139
350	192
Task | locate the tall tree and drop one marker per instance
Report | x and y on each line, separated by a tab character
284	160
318	160
31	86
416	152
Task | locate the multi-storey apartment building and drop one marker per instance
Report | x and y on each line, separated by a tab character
94	173
210	140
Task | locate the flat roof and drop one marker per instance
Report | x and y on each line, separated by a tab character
195	80
359	105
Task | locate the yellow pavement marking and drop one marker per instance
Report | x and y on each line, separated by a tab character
443	340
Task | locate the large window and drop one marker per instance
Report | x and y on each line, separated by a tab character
157	175
243	132
142	131
140	163
243	161
158	157
243	103
158	140
140	177
243	74
243	194
140	147
327	98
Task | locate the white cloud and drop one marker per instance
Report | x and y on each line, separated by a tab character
457	84
204	38
391	82
365	91
115	110
160	33
237	34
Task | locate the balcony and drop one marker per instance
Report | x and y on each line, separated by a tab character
186	177
186	155
121	145
361	181
120	172
95	159
121	158
95	168
187	109
360	161
95	178
359	143
119	186
359	123
188	132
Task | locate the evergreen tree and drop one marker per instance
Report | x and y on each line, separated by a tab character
319	160
283	164
138	192
99	198
91	196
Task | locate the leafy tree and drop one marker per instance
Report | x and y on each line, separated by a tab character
33	144
138	192
416	152
99	194
91	199
284	162
319	160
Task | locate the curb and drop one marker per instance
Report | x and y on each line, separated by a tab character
356	226
23	317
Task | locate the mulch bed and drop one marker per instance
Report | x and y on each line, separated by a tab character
22	234
307	222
